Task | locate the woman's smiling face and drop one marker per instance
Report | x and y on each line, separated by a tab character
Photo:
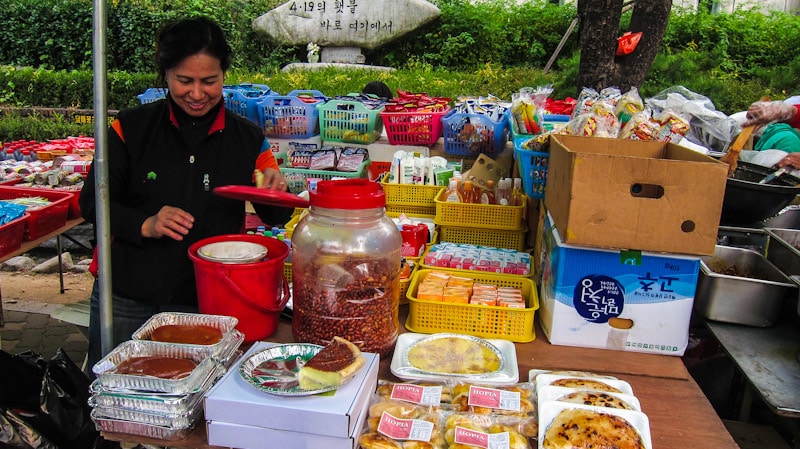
195	84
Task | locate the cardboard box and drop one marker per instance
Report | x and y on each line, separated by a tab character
623	300
649	196
238	436
233	400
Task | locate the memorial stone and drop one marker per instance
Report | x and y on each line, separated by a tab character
343	27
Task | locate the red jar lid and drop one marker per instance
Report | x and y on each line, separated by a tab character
347	194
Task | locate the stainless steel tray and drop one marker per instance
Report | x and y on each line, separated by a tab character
225	324
105	368
783	250
754	299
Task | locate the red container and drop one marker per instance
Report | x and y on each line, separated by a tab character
413	128
255	293
11	235
43	220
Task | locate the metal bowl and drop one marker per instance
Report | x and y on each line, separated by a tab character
746	201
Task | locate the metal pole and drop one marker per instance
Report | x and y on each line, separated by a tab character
563	41
103	219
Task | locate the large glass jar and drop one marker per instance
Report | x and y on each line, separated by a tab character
345	267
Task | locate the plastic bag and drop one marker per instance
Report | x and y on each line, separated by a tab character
627	43
51	398
15	433
708	127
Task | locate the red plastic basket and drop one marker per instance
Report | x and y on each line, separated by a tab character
11	235
45	219
413	128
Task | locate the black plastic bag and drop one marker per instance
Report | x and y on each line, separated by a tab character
15	433
51	397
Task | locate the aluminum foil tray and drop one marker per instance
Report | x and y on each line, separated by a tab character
180	421
154	402
225	324
141	429
104	369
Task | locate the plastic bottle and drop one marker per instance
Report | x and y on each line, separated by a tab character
470	192
346	268
502	192
516	193
486	195
453	194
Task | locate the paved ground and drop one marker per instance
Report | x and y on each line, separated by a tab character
29	326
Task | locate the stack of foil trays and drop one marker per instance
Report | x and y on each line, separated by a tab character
156	407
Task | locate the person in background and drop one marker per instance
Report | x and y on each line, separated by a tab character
782	130
378	89
164	160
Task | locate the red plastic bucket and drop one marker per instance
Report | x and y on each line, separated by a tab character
254	293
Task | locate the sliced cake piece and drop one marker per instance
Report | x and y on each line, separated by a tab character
331	366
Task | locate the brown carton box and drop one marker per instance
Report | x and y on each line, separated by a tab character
648	196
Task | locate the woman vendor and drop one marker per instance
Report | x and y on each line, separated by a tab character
782	131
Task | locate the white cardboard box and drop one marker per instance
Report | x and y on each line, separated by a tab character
233	400
250	437
610	299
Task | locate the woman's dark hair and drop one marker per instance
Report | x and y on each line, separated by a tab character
178	40
378	88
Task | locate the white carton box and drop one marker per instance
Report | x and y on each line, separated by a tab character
233	400
250	437
611	299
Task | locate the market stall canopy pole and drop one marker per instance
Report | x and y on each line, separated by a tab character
103	220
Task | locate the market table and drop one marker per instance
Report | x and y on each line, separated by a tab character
679	413
767	357
31	244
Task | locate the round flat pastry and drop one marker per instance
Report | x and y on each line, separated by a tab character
596	398
584	384
454	355
589	429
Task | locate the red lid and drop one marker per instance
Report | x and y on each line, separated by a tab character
347	194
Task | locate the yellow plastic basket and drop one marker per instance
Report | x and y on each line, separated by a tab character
394	210
430	317
409	194
287	271
292	223
495	238
405	283
474	215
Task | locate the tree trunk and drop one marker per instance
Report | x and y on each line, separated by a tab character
599	66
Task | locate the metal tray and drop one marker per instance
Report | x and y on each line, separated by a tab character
138	428
754	300
104	369
508	373
179	421
783	250
225	324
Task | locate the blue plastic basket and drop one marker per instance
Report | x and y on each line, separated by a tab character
242	99
532	170
473	134
288	116
152	94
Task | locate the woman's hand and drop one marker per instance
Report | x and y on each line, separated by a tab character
762	112
792	160
169	222
270	179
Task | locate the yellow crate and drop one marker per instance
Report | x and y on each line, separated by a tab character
474	215
292	223
430	317
409	194
287	271
495	238
394	210
404	284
